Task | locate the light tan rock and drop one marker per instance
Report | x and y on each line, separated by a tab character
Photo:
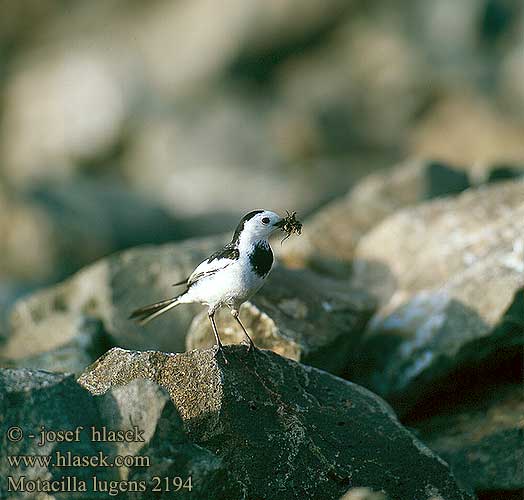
297	314
450	277
465	129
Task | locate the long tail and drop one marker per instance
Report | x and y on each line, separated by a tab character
147	313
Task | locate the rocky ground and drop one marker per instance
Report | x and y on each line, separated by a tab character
431	318
390	333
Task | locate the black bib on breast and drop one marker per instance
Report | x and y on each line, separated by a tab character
261	258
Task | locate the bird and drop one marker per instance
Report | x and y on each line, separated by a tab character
228	277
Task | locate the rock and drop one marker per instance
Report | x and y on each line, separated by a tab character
57	345
449	276
504	172
481	439
512	71
210	146
297	314
26	246
175	454
454	50
117	218
140	403
9	294
441	180
331	234
121	68
251	28
465	129
38	400
272	163
108	291
49	84
270	421
31	399
432	243
343	93
363	494
46	238
19	18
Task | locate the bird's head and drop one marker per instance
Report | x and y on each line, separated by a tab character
257	225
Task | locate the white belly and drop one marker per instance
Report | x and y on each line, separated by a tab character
230	286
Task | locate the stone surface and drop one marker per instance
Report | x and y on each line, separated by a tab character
36	400
174	454
265	164
26	246
482	438
465	129
58	345
53	230
279	428
30	399
121	67
450	276
432	243
332	233
363	494
328	82
108	291
9	294
140	403
297	314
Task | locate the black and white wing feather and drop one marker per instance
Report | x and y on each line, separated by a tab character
216	262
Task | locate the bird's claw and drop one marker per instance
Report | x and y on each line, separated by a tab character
220	350
251	347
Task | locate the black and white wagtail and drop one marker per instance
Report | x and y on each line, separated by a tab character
231	275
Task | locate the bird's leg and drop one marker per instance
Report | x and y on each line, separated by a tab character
235	315
215	331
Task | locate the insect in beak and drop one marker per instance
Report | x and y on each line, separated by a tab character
289	224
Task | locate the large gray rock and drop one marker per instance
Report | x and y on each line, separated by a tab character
297	314
59	345
45	229
32	399
107	292
277	428
432	243
332	233
482	438
450	277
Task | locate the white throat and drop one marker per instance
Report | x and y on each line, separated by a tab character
248	240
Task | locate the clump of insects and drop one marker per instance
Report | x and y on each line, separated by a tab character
291	225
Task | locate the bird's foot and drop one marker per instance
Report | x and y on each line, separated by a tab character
251	347
219	351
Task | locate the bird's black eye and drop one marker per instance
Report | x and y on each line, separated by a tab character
265	220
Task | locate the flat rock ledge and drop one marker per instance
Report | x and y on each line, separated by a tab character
272	428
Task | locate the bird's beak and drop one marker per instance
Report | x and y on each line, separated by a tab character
279	224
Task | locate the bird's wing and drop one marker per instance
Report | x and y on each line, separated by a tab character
216	262
206	269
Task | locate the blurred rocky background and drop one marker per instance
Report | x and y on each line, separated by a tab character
395	128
